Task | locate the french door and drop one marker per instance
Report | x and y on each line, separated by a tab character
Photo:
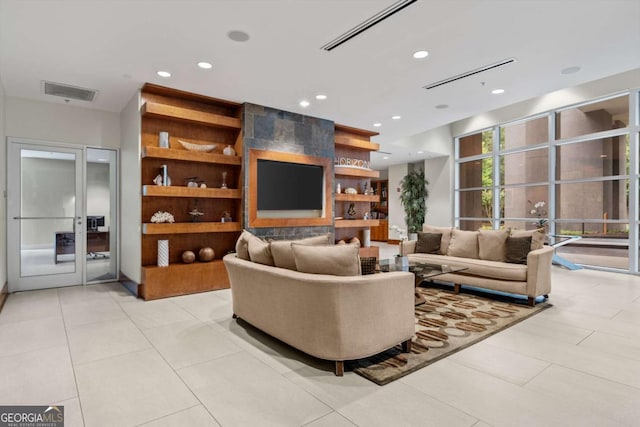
45	205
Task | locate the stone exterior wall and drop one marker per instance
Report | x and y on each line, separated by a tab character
270	129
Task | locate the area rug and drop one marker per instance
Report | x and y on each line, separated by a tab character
445	324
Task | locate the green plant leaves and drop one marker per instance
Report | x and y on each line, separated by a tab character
413	192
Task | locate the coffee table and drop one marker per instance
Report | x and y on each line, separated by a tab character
421	270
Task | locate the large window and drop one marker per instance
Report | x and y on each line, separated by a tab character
575	170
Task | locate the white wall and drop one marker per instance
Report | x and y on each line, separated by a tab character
396	212
3	188
61	123
439	172
130	187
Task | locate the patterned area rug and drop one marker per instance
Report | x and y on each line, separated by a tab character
445	324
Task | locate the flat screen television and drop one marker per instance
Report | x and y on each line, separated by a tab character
93	222
284	186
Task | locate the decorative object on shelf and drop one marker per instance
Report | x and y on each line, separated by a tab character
351	163
365	216
203	148
352	211
229	151
166	179
192	182
355	241
350	190
195	213
162	216
157	180
413	193
224	180
163	140
338	189
366	238
163	253
188	257
203	185
206	254
540	212
226	217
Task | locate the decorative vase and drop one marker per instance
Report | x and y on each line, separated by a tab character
224	180
188	257
366	238
206	254
163	253
163	140
229	151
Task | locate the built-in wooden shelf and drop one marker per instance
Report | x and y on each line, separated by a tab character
182	279
361	173
165	111
190	227
356	223
193	192
372	198
190	156
359	144
366	134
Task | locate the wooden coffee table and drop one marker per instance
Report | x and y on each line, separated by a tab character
421	270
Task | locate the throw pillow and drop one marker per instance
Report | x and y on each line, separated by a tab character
491	244
464	244
283	255
537	237
337	260
517	249
446	236
428	243
242	250
259	250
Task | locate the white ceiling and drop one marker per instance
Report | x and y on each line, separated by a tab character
115	46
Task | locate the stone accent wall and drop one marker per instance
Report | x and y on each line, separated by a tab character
270	129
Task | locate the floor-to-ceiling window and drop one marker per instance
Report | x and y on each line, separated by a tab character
572	171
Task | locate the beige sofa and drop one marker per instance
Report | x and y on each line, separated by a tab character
532	279
335	318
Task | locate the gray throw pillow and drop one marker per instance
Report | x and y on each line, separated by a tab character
517	249
428	243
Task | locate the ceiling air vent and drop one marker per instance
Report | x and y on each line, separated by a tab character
471	73
375	19
68	92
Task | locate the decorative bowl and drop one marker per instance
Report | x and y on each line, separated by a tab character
197	147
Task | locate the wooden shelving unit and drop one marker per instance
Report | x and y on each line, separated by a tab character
198	120
380	209
342	197
356	223
356	172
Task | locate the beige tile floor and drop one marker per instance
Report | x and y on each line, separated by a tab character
112	360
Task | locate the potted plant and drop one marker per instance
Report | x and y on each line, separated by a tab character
413	193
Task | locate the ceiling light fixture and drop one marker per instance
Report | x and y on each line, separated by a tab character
205	65
570	70
164	74
238	36
304	103
442	106
396	117
497	91
321	97
421	54
386	157
420	152
377	125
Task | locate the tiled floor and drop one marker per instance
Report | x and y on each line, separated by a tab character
113	360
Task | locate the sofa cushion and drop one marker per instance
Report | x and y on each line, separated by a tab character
537	237
491	244
477	267
517	249
283	255
429	243
464	244
242	249
337	260
446	236
259	250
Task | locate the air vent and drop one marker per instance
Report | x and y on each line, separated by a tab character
471	73
68	92
375	19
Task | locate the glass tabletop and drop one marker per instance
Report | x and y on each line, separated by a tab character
422	269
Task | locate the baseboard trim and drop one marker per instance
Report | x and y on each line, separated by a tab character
129	285
4	293
393	242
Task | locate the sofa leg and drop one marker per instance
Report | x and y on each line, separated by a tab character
339	370
235	316
531	301
406	346
456	288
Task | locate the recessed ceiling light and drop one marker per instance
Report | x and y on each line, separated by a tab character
420	54
570	70
238	36
497	91
396	117
321	97
386	157
420	152
442	106
304	103
164	74
205	65
377	125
